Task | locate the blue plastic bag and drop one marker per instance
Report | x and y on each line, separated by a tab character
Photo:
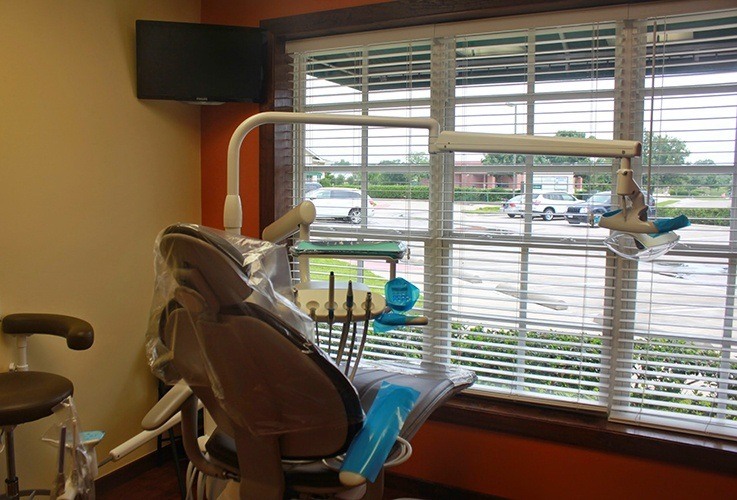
373	443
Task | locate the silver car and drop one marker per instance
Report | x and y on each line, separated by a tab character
339	203
546	204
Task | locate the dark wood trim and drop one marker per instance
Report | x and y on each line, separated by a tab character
404	13
411	486
589	430
275	147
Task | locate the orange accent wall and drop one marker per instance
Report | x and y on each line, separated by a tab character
218	122
492	463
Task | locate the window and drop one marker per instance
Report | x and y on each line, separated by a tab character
515	279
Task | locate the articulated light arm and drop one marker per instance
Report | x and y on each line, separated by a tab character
446	141
471	142
233	213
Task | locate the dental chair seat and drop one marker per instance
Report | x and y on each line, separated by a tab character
435	387
29	396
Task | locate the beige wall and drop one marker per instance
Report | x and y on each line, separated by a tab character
89	175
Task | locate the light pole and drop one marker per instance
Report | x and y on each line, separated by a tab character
514	158
514	105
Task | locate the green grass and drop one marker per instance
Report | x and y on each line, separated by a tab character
666	203
345	271
487	209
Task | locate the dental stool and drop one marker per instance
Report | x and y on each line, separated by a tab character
26	396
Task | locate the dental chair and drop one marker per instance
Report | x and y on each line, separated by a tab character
223	328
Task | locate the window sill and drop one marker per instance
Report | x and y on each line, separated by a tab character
589	430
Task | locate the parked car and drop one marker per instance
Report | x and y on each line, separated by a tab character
311	186
546	204
339	203
598	204
514	206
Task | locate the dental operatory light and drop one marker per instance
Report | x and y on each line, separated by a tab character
633	236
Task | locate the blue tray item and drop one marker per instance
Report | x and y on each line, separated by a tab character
373	443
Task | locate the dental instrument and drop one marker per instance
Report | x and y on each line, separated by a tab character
366	320
331	310
346	323
60	479
350	350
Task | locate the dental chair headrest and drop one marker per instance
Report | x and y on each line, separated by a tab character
206	263
202	233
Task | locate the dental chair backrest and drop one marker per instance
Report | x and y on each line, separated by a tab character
258	376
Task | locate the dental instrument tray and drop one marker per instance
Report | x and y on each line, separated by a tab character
312	299
390	250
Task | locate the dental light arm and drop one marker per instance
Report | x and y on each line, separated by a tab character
471	142
297	219
437	142
233	212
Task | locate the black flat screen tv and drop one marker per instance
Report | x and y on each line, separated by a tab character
200	63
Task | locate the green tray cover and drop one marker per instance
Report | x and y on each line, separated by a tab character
380	249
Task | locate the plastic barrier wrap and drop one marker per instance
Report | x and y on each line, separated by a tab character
372	444
77	467
265	273
223	319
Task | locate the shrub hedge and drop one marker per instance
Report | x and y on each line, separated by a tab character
708	216
420	192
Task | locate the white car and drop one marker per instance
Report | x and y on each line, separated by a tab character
547	204
339	203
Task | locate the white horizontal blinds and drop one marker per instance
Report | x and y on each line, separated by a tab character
388	166
556	81
677	358
539	309
528	299
529	320
690	101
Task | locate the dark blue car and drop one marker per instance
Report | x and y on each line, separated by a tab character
599	203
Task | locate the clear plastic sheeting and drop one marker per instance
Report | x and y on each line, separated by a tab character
76	467
223	319
263	268
459	377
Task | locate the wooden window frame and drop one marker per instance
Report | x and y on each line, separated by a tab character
564	426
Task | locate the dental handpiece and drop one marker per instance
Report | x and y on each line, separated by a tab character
365	334
346	323
331	310
313	317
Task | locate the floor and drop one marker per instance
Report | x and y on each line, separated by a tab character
160	483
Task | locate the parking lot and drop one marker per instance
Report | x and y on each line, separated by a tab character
574	284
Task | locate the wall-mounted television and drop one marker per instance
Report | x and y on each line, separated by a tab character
199	63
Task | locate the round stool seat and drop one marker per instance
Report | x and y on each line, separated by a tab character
28	396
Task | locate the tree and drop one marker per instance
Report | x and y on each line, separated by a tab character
517	159
666	150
